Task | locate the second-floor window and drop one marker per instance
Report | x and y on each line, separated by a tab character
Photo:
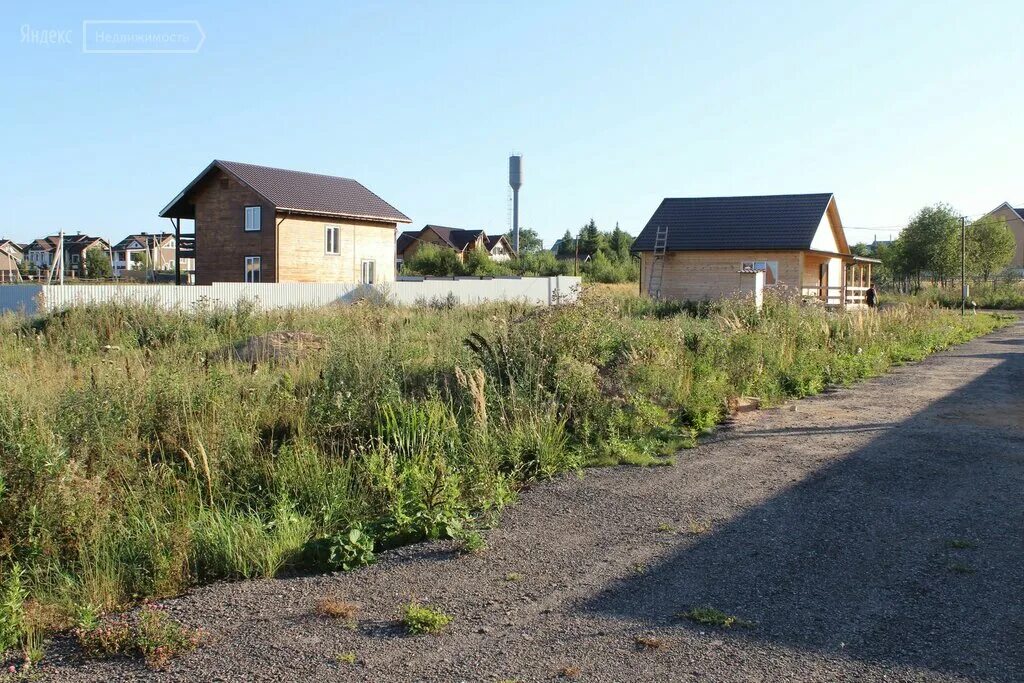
332	232
252	218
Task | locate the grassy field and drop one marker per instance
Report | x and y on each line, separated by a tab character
137	458
1003	295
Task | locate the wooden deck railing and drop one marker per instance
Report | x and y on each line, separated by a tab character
837	297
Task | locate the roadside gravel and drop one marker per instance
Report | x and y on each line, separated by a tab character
872	533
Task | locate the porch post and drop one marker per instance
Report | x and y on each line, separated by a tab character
177	251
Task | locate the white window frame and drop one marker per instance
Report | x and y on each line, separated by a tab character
258	261
332	239
253	218
770	268
368	278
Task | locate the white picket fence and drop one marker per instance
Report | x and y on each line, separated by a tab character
36	299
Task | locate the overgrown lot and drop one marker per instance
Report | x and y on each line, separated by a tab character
137	458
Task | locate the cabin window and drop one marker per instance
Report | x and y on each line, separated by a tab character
770	269
333	233
253	269
369	272
252	218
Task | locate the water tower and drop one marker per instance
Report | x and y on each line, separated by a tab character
515	179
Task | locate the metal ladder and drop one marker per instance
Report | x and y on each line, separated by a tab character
658	266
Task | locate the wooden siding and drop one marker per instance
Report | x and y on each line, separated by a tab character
304	257
221	240
706	275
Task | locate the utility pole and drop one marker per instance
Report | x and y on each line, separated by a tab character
963	266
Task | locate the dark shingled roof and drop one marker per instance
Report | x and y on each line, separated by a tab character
405	239
299	191
457	238
785	221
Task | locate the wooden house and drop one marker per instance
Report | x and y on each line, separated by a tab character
697	248
261	224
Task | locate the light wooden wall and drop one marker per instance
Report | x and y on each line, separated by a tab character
706	275
303	249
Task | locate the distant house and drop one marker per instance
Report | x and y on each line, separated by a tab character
147	251
695	248
11	256
499	248
261	224
1014	218
42	253
458	239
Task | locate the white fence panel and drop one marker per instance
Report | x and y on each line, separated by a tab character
33	299
58	297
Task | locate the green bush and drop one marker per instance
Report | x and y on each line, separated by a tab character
422	619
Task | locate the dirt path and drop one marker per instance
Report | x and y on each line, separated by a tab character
832	524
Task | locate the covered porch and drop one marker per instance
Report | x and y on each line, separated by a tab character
836	280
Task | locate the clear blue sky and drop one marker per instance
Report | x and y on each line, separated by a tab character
889	105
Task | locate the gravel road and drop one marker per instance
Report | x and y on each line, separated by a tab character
872	533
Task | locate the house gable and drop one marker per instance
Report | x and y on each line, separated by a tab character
830	235
1014	218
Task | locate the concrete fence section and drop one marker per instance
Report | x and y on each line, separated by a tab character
36	299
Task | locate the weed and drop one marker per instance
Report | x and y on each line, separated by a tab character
346	658
513	577
352	549
666	528
421	619
337	609
961	544
961	568
648	642
472	542
153	636
639	568
12	607
696	527
570	672
709	616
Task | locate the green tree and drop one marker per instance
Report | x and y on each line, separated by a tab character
430	259
542	264
931	242
861	249
567	245
990	246
590	239
479	263
619	242
97	263
529	241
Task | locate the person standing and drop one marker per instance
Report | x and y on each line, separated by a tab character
871	296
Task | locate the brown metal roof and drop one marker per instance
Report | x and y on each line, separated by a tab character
457	238
296	191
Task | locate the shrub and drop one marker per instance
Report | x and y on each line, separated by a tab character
422	619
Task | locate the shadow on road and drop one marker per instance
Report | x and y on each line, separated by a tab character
909	551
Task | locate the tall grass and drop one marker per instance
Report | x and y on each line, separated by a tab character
137	460
993	295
